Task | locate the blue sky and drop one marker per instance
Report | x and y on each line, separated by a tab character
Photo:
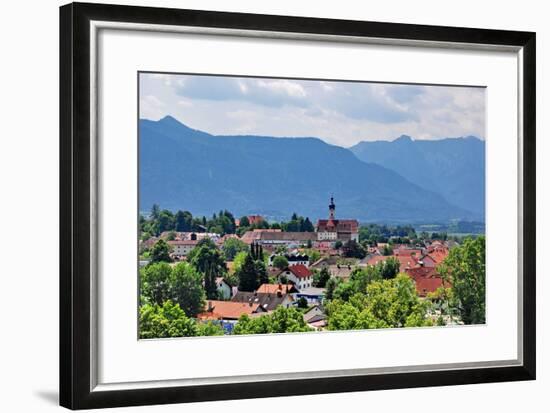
341	113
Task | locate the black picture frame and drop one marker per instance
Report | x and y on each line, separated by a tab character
75	219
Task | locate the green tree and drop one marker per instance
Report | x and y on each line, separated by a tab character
464	267
352	249
209	329
302	302
166	221
282	320
261	273
187	288
248	280
385	304
307	226
160	252
244	222
155	282
389	268
313	255
331	286
208	260
280	262
387	250
183	221
155	211
338	244
232	246
169	320
362	277
238	261
166	320
321	278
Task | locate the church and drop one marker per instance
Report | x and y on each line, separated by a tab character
333	229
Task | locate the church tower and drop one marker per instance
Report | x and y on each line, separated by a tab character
331	209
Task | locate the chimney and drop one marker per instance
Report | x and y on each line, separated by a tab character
210	308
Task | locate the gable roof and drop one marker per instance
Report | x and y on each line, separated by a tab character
288	236
264	301
227	310
300	271
275	288
341	225
426	279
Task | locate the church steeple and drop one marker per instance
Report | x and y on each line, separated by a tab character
331	208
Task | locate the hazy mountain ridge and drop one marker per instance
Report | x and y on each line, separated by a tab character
183	168
452	167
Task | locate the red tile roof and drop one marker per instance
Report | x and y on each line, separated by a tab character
226	310
341	225
407	251
300	271
275	288
427	280
255	219
439	255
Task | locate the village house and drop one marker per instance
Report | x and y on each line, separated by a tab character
227	313
299	275
288	239
419	265
268	296
315	317
426	280
182	248
189	236
335	267
225	291
250	237
313	295
333	229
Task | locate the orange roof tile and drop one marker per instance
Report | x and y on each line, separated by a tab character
227	310
275	288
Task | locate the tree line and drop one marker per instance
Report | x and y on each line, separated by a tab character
224	222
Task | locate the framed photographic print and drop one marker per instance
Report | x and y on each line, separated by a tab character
258	206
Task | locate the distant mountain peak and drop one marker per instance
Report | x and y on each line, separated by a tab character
169	119
404	138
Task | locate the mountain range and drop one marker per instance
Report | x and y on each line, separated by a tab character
452	167
187	169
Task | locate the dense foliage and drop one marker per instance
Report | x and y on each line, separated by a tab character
382	304
181	284
465	269
352	249
169	320
253	271
232	246
374	233
209	261
280	262
282	320
160	252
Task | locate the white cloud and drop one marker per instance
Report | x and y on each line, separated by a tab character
341	113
